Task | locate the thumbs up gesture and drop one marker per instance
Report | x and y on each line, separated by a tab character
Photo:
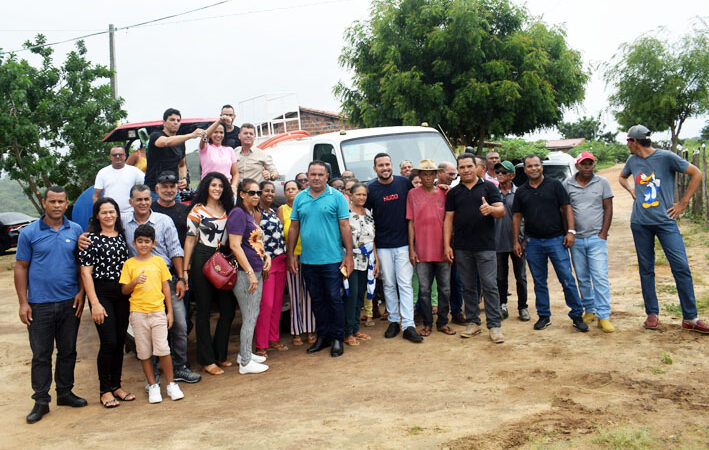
485	208
142	278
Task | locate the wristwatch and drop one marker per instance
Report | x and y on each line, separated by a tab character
250	272
572	232
182	279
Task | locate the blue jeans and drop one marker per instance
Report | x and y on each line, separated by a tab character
538	250
55	321
590	258
177	335
324	284
456	299
397	270
673	246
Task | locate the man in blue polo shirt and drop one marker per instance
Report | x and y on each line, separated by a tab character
50	306
321	217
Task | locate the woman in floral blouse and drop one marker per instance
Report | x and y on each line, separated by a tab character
269	319
366	264
205	233
101	265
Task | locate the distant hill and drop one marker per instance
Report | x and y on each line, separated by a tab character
13	199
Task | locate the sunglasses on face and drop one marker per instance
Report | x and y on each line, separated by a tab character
501	172
116	155
252	193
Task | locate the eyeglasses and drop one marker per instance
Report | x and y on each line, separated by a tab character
301	180
501	172
252	193
453	175
116	155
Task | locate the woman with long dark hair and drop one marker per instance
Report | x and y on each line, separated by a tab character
267	332
302	319
246	241
101	265
206	223
215	157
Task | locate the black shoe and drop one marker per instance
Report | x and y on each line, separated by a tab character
579	324
505	312
393	330
72	400
411	334
337	349
459	319
320	343
38	411
543	322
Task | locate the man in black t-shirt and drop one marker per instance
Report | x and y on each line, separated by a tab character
469	239
166	151
387	200
541	201
231	134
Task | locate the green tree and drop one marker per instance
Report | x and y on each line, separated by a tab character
475	67
53	119
705	132
589	128
659	84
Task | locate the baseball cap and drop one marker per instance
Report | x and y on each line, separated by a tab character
638	132
584	156
167	176
508	166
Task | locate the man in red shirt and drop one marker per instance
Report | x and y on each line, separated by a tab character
425	211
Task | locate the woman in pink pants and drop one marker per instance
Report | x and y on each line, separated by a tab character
266	335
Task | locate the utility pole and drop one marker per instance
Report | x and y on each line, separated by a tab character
112	63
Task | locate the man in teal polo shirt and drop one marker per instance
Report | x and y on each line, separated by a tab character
321	217
51	300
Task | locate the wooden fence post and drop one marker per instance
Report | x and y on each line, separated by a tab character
698	197
705	185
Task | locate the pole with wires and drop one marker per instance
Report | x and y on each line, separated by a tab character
112	63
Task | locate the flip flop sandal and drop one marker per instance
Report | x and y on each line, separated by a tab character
297	340
127	397
213	369
260	352
369	323
108	404
362	336
278	346
225	364
447	330
352	341
426	331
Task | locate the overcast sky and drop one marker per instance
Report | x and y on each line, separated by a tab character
238	50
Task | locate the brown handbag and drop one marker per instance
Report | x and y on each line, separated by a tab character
221	270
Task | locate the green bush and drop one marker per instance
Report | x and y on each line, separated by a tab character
517	149
603	151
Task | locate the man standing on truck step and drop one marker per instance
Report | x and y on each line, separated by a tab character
231	134
253	162
166	151
387	201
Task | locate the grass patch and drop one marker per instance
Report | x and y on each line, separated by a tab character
624	438
666	358
413	431
667	289
657	370
703	304
673	309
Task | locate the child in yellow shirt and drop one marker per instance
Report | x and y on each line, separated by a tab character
145	278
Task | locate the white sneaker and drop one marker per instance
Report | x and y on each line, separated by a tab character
174	391
252	367
154	395
257	358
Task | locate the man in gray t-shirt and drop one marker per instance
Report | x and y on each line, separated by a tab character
592	202
655	215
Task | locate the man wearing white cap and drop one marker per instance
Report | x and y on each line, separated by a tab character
591	199
655	215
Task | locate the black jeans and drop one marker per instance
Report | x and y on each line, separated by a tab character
112	334
53	322
210	351
482	263
519	267
426	271
324	283
354	301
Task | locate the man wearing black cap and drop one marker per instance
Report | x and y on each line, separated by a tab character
505	245
655	215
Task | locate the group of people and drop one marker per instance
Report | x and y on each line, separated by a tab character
329	244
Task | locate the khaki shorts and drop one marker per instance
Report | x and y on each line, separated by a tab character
150	334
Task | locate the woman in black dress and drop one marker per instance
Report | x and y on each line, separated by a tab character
101	265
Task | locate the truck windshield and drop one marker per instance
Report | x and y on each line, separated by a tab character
358	154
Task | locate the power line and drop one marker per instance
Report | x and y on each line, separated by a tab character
117	29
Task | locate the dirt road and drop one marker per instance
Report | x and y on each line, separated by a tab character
555	387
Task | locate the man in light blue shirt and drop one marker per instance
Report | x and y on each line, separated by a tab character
321	217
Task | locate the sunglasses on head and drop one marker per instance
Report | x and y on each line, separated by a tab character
252	193
167	179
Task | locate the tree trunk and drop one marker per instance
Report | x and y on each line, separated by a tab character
481	140
704	184
698	198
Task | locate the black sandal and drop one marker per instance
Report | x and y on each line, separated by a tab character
111	403
128	397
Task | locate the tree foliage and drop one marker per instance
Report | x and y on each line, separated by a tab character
659	84
53	119
586	127
475	67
